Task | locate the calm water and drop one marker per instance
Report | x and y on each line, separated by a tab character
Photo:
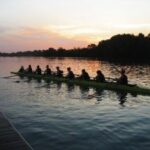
60	116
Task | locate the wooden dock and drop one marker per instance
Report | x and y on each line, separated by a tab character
10	139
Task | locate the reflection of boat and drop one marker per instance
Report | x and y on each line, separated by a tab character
122	97
108	86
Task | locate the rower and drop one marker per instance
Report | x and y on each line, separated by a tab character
47	71
84	75
100	76
29	69
38	70
123	78
21	70
70	74
59	73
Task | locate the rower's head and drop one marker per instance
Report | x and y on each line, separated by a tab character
38	66
30	66
47	66
68	69
83	71
99	72
57	68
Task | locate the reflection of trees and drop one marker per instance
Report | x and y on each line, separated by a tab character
123	47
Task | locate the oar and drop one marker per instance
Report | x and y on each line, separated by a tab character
77	75
90	96
17	81
8	76
114	79
45	85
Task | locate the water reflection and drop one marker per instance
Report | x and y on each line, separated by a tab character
84	89
122	97
26	79
39	80
68	116
99	94
21	77
70	87
84	92
59	85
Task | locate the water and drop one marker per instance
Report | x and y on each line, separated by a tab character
60	116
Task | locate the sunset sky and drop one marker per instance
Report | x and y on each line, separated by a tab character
40	24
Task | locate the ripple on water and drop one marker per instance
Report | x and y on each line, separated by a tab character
60	116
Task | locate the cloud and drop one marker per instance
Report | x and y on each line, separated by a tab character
90	34
29	38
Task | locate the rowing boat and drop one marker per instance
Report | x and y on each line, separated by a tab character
134	89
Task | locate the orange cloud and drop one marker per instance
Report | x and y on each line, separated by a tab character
32	38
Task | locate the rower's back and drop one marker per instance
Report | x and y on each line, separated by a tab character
59	73
123	78
38	70
100	76
70	74
84	75
21	70
47	71
29	69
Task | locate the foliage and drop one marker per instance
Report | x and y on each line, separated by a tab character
125	47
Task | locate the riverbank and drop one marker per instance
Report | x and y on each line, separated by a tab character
125	48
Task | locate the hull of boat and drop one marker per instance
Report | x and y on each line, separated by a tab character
106	86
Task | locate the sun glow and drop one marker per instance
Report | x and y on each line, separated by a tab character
37	24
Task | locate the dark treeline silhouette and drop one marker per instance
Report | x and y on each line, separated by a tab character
125	47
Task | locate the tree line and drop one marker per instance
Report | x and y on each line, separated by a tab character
121	47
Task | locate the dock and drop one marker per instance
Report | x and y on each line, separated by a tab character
10	138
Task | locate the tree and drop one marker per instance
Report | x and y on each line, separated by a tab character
148	35
90	46
141	35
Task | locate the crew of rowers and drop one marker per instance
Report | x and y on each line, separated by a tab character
123	79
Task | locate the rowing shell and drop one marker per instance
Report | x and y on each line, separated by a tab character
107	86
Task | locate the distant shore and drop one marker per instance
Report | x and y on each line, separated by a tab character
125	48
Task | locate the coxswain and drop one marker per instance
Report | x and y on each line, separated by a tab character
29	69
38	70
47	70
21	70
100	76
84	75
59	73
70	74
